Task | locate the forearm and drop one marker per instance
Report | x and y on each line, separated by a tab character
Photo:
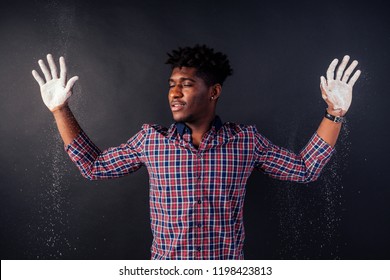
329	131
67	124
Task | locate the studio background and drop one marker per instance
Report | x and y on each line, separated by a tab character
278	52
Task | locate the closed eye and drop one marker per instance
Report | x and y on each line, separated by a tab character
183	85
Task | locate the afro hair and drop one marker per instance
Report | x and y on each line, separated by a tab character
212	67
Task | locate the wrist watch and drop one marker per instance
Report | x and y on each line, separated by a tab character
336	119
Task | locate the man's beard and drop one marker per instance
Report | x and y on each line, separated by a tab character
184	119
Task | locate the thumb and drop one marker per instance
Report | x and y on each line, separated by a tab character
323	83
70	83
323	87
68	94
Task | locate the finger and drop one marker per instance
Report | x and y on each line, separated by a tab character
323	94
330	72
324	84
38	78
323	87
52	66
70	83
44	69
354	78
69	94
62	70
349	71
342	66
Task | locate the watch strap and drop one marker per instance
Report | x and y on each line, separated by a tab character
336	119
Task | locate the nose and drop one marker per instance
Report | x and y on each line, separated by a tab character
175	91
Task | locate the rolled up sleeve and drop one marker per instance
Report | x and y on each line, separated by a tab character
114	162
283	164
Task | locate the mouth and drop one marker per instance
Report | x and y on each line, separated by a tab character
177	106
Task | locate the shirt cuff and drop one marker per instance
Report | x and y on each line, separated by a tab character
317	149
82	148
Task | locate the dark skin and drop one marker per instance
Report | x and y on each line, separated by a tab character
192	101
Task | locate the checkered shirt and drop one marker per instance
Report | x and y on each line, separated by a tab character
197	194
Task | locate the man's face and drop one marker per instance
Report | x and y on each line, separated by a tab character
189	96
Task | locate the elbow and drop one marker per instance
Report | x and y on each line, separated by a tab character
310	177
88	171
88	175
89	178
309	180
311	172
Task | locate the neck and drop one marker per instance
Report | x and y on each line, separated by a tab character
200	128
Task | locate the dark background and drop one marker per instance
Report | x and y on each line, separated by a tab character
278	51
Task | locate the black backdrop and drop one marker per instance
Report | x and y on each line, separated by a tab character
278	51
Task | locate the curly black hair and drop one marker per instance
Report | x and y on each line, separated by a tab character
212	67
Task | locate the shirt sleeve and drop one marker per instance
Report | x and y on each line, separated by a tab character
282	164
111	163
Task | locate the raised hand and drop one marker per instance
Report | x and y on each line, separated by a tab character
337	91
56	90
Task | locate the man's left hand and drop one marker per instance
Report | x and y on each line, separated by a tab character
337	91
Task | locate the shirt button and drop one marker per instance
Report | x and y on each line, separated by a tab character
199	201
199	225
198	249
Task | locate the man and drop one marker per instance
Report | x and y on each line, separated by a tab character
198	167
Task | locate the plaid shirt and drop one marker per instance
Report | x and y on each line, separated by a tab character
197	195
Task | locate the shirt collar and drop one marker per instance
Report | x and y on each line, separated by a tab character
182	128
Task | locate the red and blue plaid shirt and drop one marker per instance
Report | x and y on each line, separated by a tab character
197	194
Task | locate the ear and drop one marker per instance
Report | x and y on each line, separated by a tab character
216	91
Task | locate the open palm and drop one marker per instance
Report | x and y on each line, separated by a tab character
337	91
55	91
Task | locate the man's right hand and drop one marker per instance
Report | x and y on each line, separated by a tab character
55	91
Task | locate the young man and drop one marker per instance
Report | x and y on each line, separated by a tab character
198	167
